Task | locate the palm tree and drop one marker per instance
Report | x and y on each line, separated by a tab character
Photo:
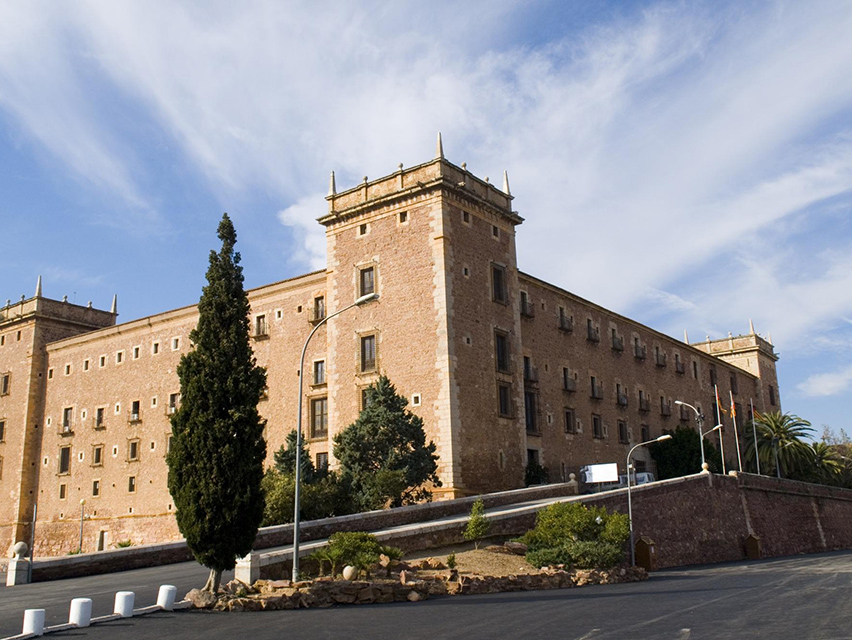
780	443
827	466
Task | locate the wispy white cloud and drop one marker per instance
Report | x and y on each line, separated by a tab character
827	384
301	217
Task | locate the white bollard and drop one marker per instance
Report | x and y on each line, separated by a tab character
34	622
166	597
81	612
124	603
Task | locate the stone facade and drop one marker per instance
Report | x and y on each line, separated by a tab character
503	368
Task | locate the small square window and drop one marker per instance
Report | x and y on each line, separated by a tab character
403	217
67	369
175	344
279	314
86	364
415	400
136	353
155	348
102	362
50	374
117	408
119	357
154	402
362	230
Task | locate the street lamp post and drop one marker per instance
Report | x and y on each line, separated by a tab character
82	514
629	498
699	418
362	300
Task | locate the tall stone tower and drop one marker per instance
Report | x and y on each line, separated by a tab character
438	246
26	327
752	353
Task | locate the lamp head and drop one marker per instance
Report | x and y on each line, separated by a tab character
665	436
367	298
678	402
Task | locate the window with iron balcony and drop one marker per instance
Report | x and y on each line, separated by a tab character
617	341
593	333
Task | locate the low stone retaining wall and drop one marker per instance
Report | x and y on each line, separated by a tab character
266	595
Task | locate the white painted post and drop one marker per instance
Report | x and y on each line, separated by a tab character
81	612
166	597
33	622
124	603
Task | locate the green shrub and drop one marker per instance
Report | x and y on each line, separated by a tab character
477	525
123	544
356	548
451	560
572	534
394	555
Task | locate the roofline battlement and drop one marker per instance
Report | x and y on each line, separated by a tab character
740	344
437	173
41	307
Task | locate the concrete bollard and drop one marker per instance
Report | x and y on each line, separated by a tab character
81	612
124	603
166	597
34	622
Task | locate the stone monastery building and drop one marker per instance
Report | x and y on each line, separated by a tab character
504	368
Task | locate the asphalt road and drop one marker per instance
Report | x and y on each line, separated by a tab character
788	598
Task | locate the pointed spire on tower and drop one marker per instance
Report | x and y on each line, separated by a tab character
114	309
685	337
439	149
750	327
38	288
332	185
769	337
506	189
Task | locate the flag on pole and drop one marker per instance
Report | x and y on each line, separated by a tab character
736	435
719	402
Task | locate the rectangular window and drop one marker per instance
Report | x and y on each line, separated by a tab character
96	488
260	329
713	380
367	281
319	308
646	433
365	398
102	362
319	417
597	426
175	344
570	423
322	461
134	410
527	307
368	353
5	383
2	430
734	385
119	357
63	491
67	418
622	432
501	350
131	484
97	455
65	459
319	372
136	351
403	217
174	400
568	381
772	395
504	399
155	348
86	364
50	374
99	417
67	369
695	369
133	450
596	388
566	323
498	284
531	411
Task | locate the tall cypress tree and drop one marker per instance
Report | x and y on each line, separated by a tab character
217	453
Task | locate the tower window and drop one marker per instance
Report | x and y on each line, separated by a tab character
367	281
368	353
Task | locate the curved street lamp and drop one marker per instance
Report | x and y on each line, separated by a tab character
629	500
362	300
699	418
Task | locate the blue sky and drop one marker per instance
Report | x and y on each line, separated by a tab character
687	164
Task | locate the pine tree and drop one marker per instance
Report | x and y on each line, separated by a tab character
384	458
217	453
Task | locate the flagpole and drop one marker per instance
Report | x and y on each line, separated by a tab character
754	433
736	435
722	430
